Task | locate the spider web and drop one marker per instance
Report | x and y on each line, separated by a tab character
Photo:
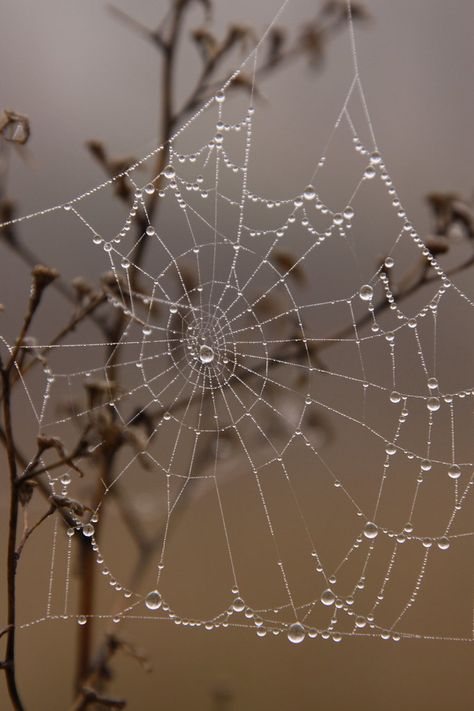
256	352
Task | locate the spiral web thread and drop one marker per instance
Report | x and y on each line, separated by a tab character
213	361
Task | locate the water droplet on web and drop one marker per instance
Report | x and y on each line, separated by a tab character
153	600
81	620
88	530
395	397
328	597
443	543
169	172
366	292
454	471
238	605
296	633
389	262
309	193
220	97
369	173
206	354
371	530
433	404
375	158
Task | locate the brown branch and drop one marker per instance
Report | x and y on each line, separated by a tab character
12	558
33	528
88	697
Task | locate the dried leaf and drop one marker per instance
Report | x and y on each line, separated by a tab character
312	43
437	245
276	41
14	127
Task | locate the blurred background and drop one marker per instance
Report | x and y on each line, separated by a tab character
80	73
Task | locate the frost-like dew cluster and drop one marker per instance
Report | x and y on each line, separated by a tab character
230	357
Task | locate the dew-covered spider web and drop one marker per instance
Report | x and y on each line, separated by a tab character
294	436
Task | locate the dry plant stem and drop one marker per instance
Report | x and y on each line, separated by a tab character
88	565
12	556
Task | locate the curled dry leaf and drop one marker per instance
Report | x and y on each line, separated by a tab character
14	127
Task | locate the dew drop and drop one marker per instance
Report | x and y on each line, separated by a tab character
169	172
389	262
327	597
206	354
371	530
375	158
238	605
220	97
153	600
395	397
454	471
309	193
369	173
443	543
366	292
296	633
82	620
88	530
433	404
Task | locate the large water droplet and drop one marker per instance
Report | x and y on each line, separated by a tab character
443	543
206	354
366	292
153	600
328	597
238	605
88	530
454	472
433	404
296	633
371	530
